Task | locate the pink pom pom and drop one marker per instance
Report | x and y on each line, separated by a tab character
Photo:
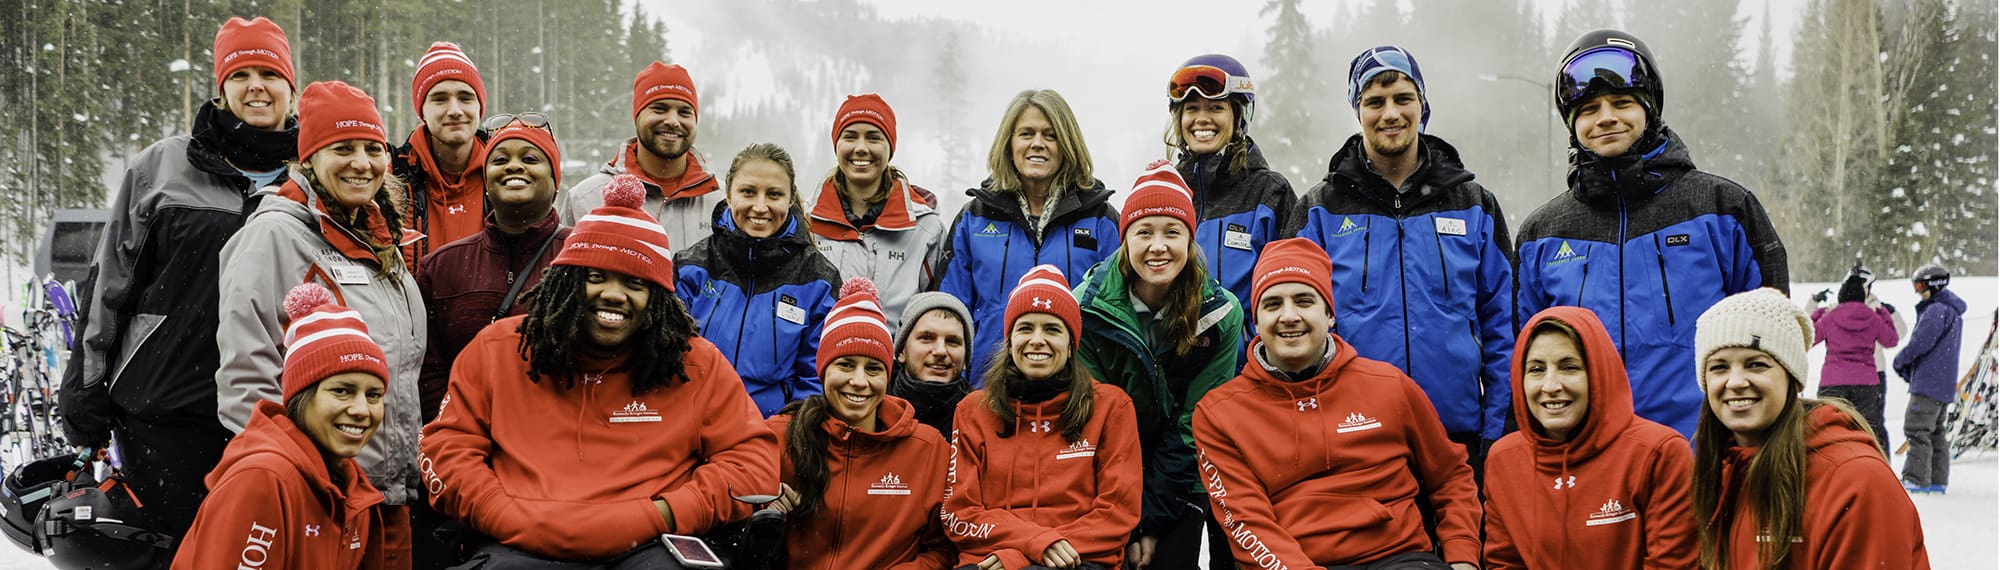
304	298
858	285
625	192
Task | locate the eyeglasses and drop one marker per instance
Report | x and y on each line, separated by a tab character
530	119
1608	67
1208	82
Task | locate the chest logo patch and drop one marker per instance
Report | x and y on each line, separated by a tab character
1613	512
635	412
1357	422
1082	448
1347	227
891	484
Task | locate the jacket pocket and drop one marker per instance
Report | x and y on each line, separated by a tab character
1319	512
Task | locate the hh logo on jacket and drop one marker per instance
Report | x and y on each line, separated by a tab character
635	412
890	484
1082	448
1613	512
1357	422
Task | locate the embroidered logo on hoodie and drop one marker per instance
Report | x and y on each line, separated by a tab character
1357	422
1082	448
1613	512
635	412
890	484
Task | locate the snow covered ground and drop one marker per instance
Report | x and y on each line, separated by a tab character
1961	528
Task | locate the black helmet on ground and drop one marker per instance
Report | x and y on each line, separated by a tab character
28	488
91	527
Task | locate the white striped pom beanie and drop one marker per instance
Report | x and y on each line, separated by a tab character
621	237
325	339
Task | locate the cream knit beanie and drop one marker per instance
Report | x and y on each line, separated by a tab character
1764	320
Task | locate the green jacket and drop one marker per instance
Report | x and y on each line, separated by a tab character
1164	386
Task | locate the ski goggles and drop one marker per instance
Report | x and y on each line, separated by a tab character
1207	82
530	119
1607	67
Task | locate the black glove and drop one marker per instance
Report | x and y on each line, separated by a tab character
1821	296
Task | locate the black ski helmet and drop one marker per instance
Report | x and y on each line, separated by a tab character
1933	276
1647	72
92	527
29	487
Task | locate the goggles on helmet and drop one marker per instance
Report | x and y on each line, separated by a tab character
1607	67
1207	82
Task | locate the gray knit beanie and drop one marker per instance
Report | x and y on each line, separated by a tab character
926	302
1764	320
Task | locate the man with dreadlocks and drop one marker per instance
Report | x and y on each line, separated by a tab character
599	420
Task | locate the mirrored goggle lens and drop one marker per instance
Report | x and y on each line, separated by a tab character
1614	68
1203	81
530	120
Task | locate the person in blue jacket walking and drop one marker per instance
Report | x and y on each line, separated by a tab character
1929	362
1039	205
1422	266
1241	204
757	287
1641	237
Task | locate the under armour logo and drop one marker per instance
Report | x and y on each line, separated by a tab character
1560	483
1039	426
1041	303
312	530
456	209
1312	402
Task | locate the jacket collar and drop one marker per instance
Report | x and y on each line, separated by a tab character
899	213
1603	182
1439	169
534	234
1004	205
696	181
419	153
342	239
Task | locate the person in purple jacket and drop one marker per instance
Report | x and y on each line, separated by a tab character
1930	364
1851	330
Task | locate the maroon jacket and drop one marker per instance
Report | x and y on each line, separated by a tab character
462	284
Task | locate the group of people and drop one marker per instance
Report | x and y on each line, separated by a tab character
430	356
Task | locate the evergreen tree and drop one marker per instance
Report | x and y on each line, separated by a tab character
1290	91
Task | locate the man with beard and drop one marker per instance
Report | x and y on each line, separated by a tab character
933	345
439	162
680	192
1421	254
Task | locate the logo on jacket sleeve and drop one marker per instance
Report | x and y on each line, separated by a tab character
1357	422
1613	512
635	412
1565	254
1347	227
891	484
1082	448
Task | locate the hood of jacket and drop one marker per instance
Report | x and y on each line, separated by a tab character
1213	168
744	252
271	433
1943	297
1853	317
307	207
899	212
1005	206
1602	182
894	416
1607	414
1439	169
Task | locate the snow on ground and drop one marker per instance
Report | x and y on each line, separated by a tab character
1960	527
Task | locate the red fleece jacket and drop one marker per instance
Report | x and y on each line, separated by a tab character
272	499
1856	514
883	493
1015	496
455	204
1327	470
1614	496
572	474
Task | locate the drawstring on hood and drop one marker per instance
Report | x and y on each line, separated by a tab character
1306	397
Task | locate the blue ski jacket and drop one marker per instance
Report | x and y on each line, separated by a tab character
1648	242
1423	279
1239	210
762	302
1929	360
991	248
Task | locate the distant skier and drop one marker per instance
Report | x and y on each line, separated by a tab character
1930	364
1853	330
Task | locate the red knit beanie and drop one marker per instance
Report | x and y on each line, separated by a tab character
325	339
333	111
540	137
445	62
621	237
1045	290
663	81
252	43
856	326
1294	260
1159	191
868	108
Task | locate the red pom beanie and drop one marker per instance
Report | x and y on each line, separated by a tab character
856	326
445	62
1043	289
663	81
540	137
252	43
325	339
1294	260
868	108
621	237
1159	191
333	111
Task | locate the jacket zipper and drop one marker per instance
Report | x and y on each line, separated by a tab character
1403	284
1621	274
1580	283
1444	273
846	474
1661	255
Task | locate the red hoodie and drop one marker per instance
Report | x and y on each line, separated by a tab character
1015	496
452	209
1614	496
1856	513
272	499
883	492
572	474
1327	470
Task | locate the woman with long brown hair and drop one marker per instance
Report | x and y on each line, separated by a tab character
1781	480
